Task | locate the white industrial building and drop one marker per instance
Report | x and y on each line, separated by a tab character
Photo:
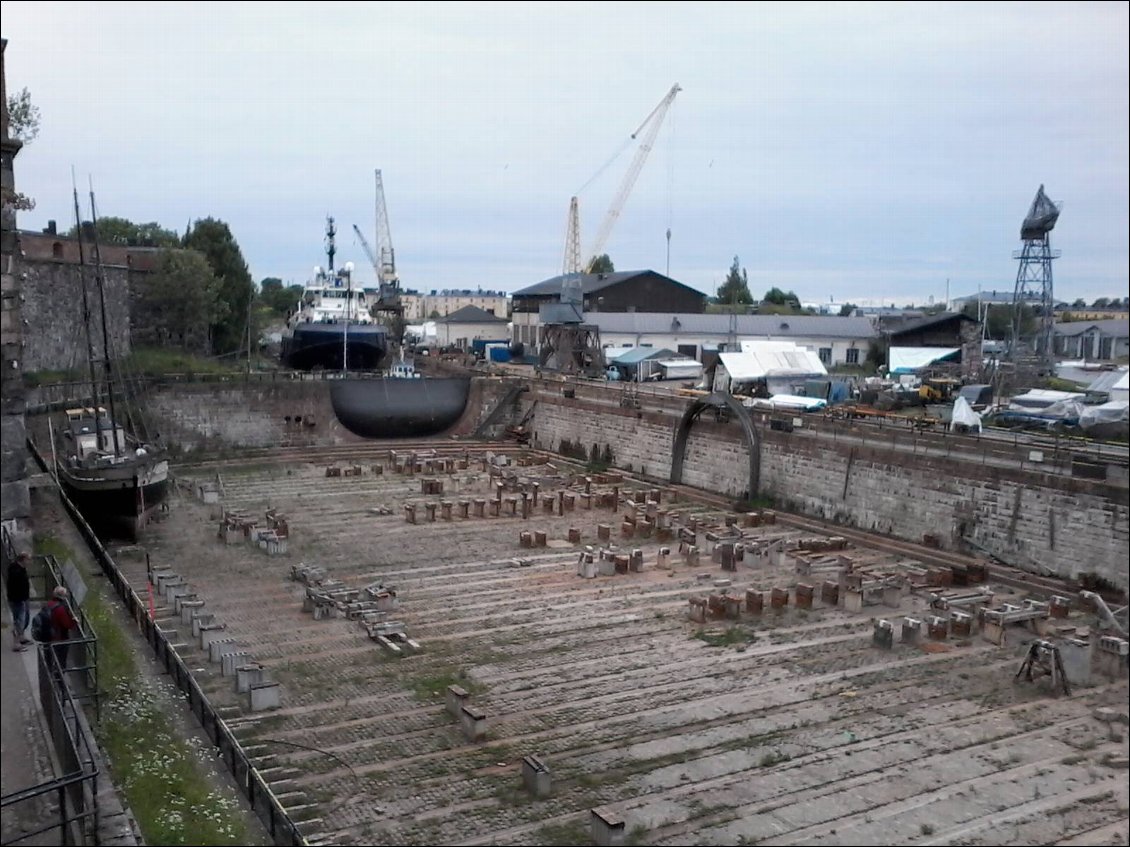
832	340
469	324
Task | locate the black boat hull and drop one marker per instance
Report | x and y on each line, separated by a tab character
120	509
316	345
391	407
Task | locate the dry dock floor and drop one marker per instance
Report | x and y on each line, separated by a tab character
788	727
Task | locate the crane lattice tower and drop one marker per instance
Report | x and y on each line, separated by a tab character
1034	281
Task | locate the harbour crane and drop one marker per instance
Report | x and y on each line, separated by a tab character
646	133
384	262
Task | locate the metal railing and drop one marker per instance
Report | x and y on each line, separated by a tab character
66	806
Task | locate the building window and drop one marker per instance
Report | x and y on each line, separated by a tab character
852	357
825	355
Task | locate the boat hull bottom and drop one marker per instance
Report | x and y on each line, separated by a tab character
118	512
390	407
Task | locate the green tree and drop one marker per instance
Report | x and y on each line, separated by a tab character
115	230
998	319
1079	303
847	310
23	117
781	298
277	299
735	290
602	264
23	125
214	239
178	303
1101	303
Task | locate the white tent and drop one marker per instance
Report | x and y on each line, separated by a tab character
1121	389
680	368
907	360
782	369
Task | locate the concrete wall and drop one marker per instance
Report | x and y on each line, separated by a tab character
1043	522
216	416
225	415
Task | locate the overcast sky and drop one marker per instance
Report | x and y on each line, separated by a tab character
849	152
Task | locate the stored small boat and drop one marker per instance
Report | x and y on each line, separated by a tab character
110	475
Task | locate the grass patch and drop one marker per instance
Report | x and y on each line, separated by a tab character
574	832
160	361
434	685
34	379
636	835
774	757
49	545
731	636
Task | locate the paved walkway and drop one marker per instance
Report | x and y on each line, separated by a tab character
25	750
27	755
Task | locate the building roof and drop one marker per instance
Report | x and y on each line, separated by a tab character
1114	327
933	320
471	315
635	355
593	282
701	324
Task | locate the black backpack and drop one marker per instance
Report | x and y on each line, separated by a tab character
42	629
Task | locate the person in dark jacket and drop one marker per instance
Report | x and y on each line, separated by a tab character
18	589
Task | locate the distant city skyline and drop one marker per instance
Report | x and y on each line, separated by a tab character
835	149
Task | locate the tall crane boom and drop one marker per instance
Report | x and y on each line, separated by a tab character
386	272
368	252
650	129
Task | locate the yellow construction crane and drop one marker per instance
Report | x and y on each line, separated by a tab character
646	133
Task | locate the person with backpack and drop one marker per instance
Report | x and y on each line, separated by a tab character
53	624
18	588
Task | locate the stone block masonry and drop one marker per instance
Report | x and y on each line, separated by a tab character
1023	515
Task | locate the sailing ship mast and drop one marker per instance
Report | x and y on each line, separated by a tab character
106	365
94	393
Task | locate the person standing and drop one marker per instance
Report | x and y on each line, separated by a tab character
62	622
18	589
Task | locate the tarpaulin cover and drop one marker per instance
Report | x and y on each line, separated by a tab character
963	415
907	360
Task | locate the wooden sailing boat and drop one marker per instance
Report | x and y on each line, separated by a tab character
111	475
